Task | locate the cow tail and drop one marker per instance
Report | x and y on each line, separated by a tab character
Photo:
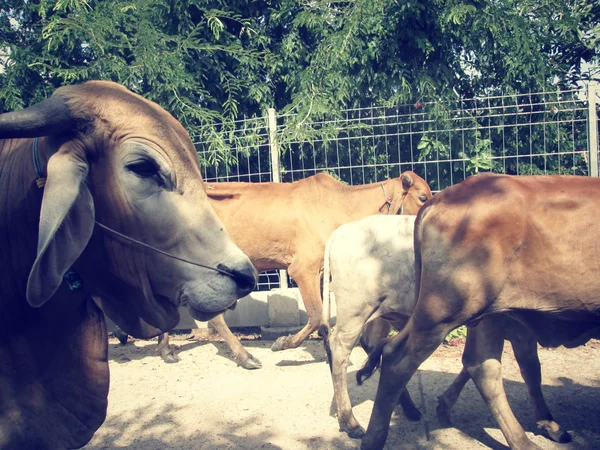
418	239
326	312
371	364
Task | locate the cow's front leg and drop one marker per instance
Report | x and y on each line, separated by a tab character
525	348
351	318
120	335
481	357
164	349
447	400
247	361
308	279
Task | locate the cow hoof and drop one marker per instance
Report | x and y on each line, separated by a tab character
251	363
443	414
170	358
356	432
554	432
279	344
412	413
121	336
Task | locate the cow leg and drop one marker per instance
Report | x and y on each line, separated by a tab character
164	349
525	348
447	400
373	333
247	361
401	357
309	282
481	357
120	335
342	340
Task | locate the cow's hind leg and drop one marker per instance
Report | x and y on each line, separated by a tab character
164	349
247	361
481	357
525	349
308	279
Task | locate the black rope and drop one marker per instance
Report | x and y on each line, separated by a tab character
162	252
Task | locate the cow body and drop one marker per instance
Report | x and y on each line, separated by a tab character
286	226
371	265
104	157
491	245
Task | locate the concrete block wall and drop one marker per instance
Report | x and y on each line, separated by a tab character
278	308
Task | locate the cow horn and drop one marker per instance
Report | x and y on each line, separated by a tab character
51	116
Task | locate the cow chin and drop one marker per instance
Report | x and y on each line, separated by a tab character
206	300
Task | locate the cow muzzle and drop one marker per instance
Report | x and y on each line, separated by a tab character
216	292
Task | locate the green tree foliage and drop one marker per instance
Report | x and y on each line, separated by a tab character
210	61
200	60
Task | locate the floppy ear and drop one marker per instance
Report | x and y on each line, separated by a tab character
66	224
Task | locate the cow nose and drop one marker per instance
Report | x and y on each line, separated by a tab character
245	277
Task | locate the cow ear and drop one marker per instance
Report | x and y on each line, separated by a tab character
407	181
66	224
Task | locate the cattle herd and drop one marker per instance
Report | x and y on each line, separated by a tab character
104	211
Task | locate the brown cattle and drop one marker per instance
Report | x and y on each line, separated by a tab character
108	201
286	226
525	348
491	245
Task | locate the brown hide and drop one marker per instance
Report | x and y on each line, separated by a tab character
286	225
278	224
524	246
111	156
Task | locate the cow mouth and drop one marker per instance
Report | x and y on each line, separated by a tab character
205	316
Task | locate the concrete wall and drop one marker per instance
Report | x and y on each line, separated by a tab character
277	308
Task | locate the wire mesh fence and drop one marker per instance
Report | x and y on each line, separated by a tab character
444	142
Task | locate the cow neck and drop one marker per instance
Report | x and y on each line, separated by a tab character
71	277
388	201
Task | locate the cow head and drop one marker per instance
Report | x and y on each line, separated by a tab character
118	159
413	195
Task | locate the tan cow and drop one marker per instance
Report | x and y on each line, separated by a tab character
108	201
286	226
492	245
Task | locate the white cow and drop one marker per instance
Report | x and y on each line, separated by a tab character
371	262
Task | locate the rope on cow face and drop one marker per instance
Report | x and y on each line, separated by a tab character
71	277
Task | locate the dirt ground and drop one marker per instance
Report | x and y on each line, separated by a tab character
206	401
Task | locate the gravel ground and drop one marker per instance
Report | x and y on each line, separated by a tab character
206	401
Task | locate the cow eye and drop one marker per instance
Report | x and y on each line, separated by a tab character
423	198
146	169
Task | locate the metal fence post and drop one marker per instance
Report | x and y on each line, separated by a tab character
592	128
276	174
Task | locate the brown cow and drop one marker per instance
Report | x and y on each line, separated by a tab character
526	353
371	266
286	226
496	244
101	203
